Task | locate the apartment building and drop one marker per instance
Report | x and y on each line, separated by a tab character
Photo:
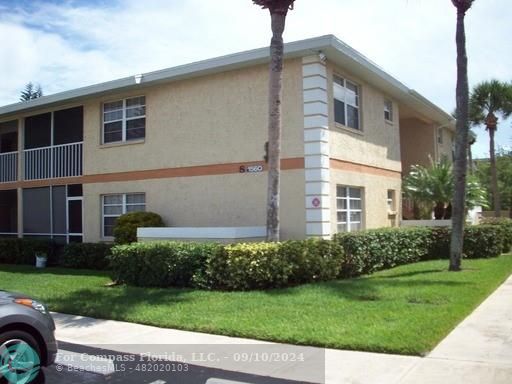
188	143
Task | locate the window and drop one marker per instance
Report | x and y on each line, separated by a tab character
349	208
391	201
388	110
346	102
440	135
114	206
124	120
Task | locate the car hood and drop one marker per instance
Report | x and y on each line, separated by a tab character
8	297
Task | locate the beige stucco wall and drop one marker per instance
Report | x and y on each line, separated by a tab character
378	142
418	140
213	119
219	201
375	189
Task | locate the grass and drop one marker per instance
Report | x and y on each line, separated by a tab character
405	310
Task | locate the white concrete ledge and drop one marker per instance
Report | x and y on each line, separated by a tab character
202	233
426	223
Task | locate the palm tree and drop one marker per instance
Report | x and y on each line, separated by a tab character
489	99
278	11
434	187
461	138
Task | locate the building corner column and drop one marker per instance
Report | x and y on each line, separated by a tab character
316	147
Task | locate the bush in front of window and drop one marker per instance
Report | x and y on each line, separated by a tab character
370	251
125	230
23	251
86	256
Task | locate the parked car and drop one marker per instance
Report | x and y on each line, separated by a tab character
27	338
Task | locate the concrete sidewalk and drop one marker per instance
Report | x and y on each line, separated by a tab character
479	350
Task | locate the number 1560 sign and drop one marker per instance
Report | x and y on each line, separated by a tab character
251	168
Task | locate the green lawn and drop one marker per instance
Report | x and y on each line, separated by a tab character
405	310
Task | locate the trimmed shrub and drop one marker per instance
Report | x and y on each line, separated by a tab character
312	260
159	264
506	228
86	256
23	251
439	244
483	241
248	266
373	250
125	230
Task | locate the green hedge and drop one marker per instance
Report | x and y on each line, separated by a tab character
227	267
159	264
483	241
506	228
125	230
23	251
86	255
270	265
373	250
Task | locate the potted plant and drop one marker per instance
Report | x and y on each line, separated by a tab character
41	260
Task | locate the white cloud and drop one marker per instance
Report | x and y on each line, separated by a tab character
75	44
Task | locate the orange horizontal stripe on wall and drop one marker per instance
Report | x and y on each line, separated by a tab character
200	170
343	165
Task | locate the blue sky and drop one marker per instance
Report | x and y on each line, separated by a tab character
67	44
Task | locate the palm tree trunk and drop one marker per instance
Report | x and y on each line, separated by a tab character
274	125
494	174
461	145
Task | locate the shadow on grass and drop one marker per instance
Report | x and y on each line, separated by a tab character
27	269
369	288
113	303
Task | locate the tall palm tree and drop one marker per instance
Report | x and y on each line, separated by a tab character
490	99
461	138
278	11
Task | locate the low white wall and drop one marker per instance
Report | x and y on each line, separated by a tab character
426	223
202	234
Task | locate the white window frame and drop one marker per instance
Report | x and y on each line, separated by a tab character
391	201
123	208
348	209
345	103
388	109
440	138
123	120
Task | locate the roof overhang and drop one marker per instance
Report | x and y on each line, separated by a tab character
334	49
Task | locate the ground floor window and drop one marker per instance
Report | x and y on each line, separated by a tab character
116	205
349	208
8	212
53	212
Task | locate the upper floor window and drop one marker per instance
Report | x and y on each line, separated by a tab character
388	110
346	102
124	120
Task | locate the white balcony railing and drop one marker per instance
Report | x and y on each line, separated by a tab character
8	167
52	162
